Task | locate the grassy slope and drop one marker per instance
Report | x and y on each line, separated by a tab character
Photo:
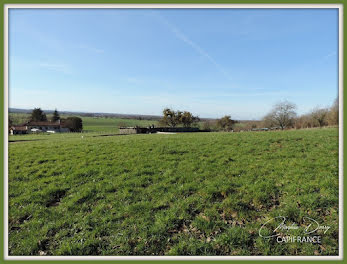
183	194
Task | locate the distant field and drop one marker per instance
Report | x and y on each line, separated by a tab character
181	194
93	124
101	124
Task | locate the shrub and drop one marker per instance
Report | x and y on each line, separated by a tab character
74	123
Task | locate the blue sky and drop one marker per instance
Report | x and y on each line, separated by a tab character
211	62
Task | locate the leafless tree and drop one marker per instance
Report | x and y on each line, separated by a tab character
333	116
304	121
320	115
282	115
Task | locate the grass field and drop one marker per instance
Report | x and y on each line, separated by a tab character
181	194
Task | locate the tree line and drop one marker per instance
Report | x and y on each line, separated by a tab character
283	115
174	118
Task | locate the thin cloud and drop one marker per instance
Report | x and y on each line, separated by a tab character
333	53
55	67
180	35
91	49
242	94
38	65
134	80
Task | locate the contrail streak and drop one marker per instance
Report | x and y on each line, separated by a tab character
178	33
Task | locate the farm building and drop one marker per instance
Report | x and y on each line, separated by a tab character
133	130
45	126
18	130
39	126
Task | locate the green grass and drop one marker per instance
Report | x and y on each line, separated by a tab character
181	194
19	118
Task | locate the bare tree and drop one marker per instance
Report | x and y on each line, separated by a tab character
304	121
320	115
282	115
333	116
268	121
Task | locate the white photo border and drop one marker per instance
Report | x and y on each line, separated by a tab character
7	7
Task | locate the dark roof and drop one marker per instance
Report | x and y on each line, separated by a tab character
19	128
43	123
